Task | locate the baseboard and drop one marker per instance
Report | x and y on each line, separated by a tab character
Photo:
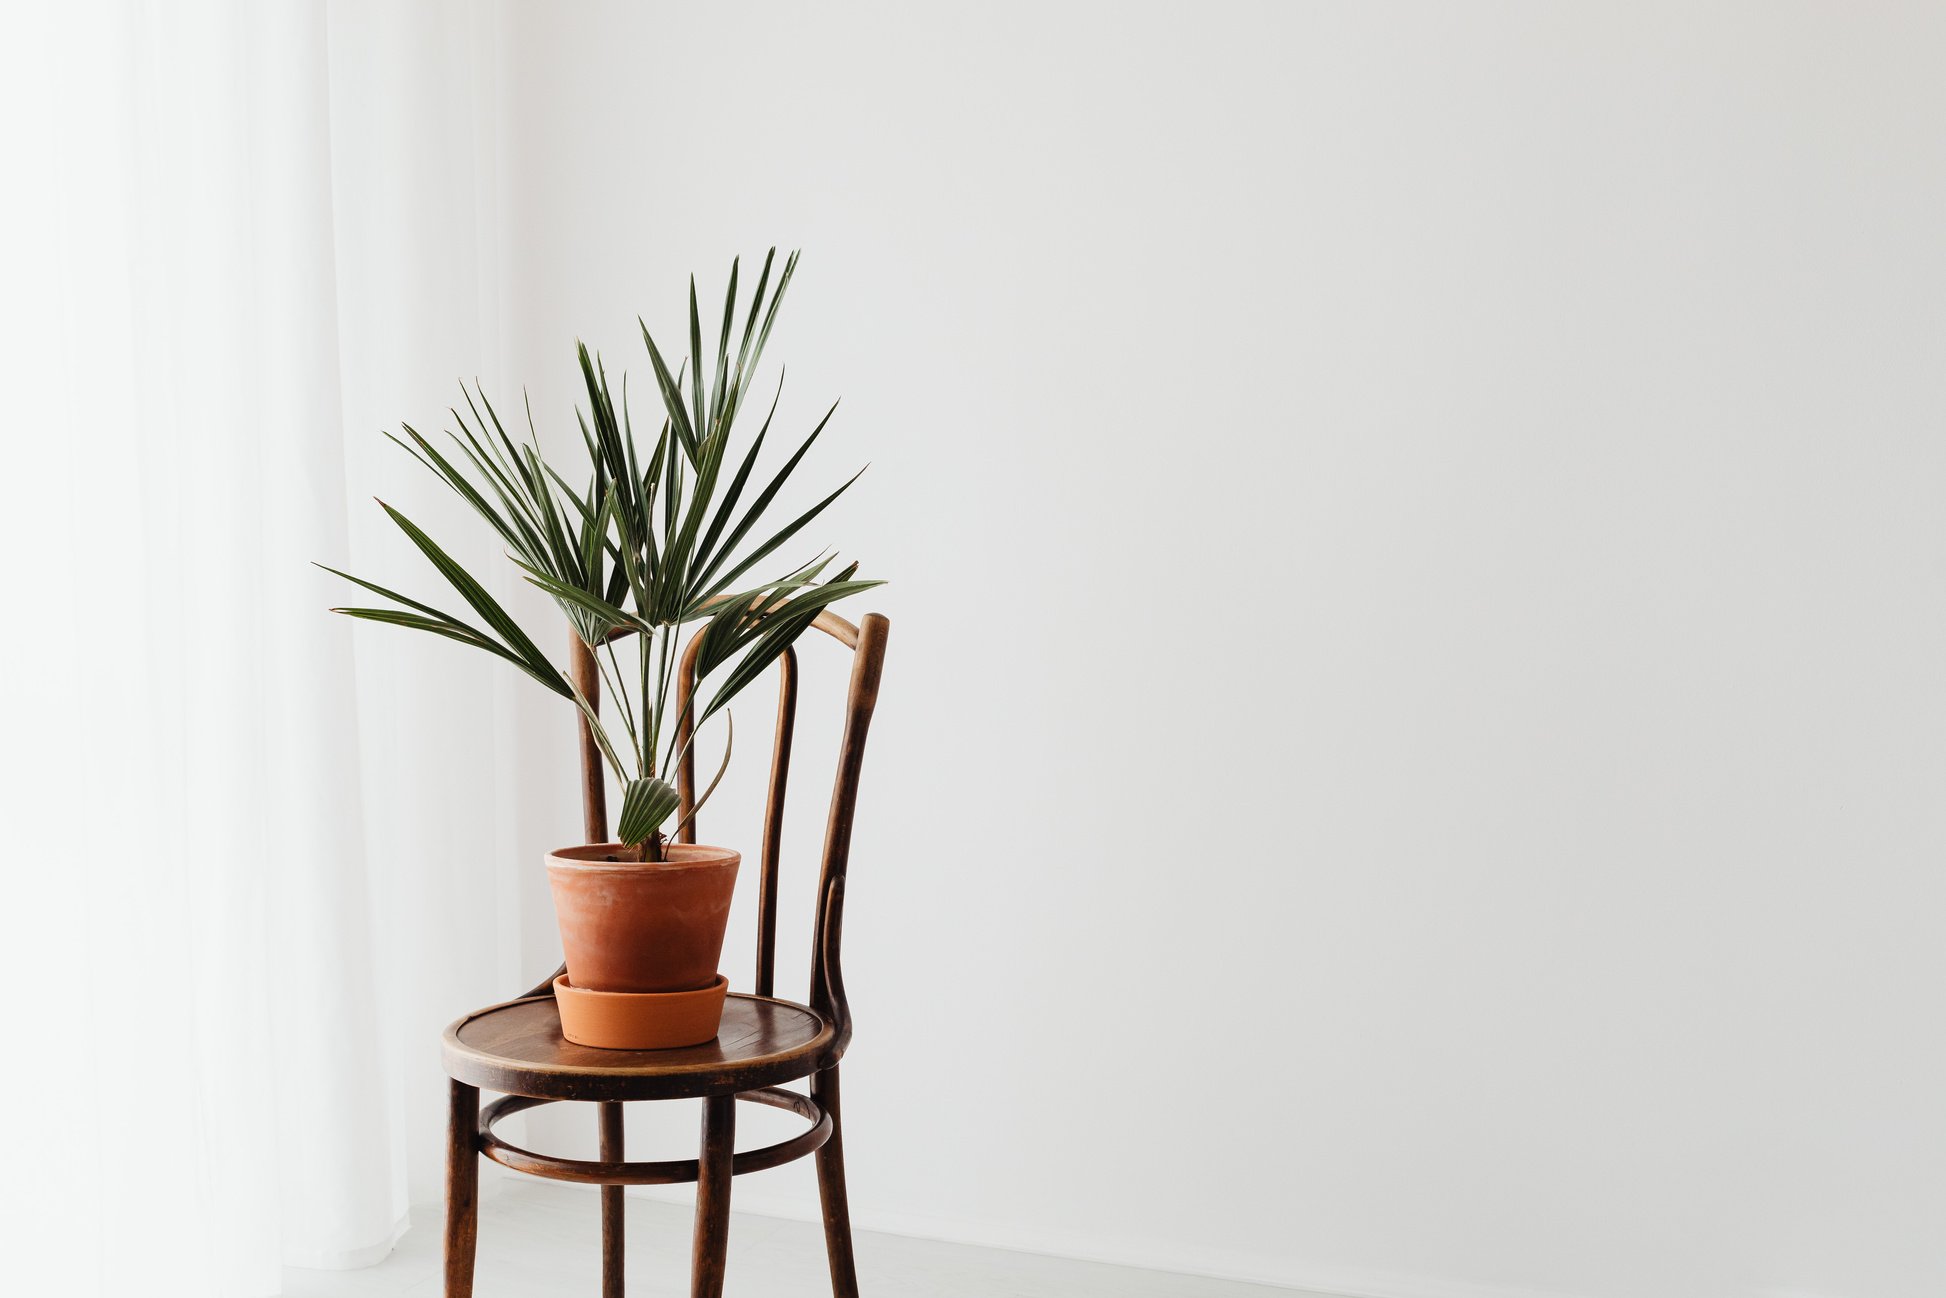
1176	1259
1173	1258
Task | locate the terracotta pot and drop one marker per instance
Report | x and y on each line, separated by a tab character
642	927
639	1020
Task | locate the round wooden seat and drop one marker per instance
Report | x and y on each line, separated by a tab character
517	1048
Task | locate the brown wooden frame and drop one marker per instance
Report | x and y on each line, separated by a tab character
515	1047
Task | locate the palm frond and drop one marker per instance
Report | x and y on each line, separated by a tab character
634	545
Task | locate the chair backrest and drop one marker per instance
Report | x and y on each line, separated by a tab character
867	643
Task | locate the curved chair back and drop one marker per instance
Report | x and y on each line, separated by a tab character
867	643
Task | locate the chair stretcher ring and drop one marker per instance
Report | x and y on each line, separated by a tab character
672	1172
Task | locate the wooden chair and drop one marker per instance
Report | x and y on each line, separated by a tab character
516	1048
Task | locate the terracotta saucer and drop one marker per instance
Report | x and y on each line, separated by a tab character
640	1020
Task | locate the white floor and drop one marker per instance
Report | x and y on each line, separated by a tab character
545	1240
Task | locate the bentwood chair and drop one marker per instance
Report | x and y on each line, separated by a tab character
517	1049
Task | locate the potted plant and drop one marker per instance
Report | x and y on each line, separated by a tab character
647	546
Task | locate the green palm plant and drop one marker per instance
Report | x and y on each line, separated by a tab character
645	547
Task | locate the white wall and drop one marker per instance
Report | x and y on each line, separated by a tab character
1411	755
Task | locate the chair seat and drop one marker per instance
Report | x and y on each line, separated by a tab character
517	1048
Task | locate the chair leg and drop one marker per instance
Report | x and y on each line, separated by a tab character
713	1197
831	1189
462	1188
611	1202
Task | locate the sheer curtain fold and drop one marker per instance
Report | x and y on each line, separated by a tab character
212	829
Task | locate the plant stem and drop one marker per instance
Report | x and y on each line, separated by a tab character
651	702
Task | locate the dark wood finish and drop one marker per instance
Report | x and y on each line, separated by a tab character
594	789
516	1048
678	1171
780	775
827	980
594	784
612	1232
462	1188
831	1190
713	1197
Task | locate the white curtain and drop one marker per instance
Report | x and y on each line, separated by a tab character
256	866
